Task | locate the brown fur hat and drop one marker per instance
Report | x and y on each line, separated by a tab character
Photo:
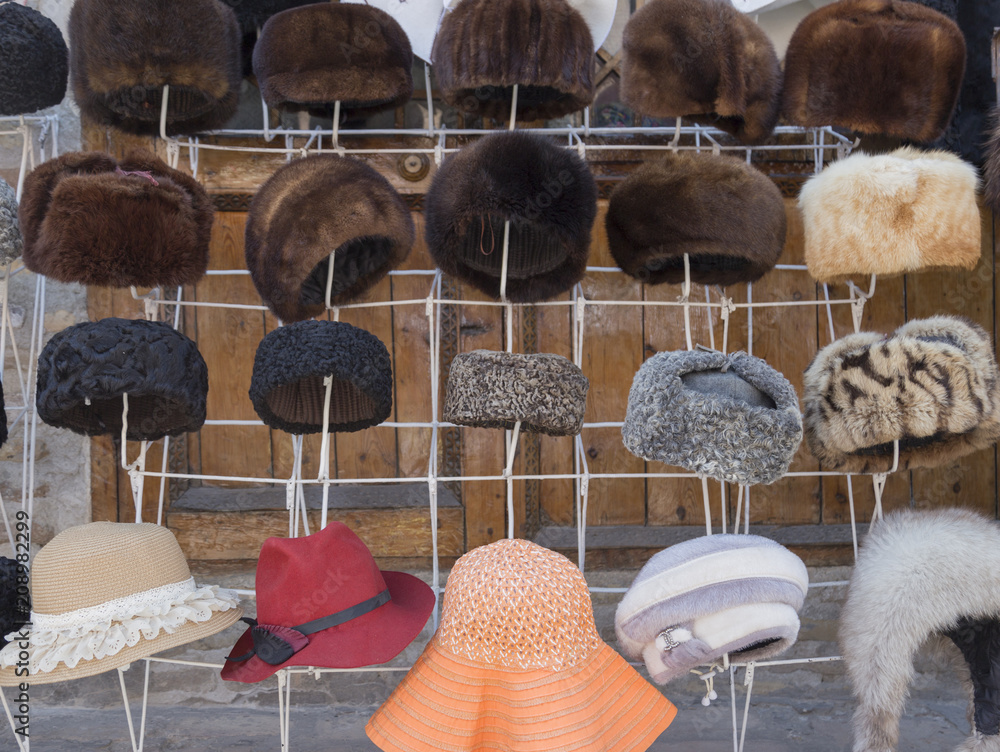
484	47
875	66
886	214
547	193
89	218
933	385
704	59
315	55
307	210
991	167
122	53
726	215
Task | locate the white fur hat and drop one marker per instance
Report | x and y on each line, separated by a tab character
598	14
419	18
890	214
700	599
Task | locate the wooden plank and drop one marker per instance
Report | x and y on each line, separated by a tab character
557	500
103	462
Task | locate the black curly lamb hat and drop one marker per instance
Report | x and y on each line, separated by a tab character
89	218
307	58
485	47
311	207
291	363
34	65
15	597
85	369
726	215
124	52
547	193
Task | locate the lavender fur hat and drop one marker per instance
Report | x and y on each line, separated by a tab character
696	601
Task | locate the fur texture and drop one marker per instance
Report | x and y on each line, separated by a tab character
891	214
310	57
746	432
875	66
124	52
485	47
11	242
704	59
34	65
546	392
677	205
548	194
90	219
314	206
991	166
918	574
933	386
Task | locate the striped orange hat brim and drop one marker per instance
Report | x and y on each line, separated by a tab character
447	703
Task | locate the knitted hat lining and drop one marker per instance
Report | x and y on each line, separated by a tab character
169	415
727	385
357	258
702	263
302	402
531	249
145	103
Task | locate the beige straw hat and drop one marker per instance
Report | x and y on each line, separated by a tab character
106	594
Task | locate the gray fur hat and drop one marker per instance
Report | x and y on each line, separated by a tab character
694	602
11	242
729	417
546	392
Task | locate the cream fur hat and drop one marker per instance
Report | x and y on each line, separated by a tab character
887	214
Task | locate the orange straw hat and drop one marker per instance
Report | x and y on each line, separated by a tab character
517	665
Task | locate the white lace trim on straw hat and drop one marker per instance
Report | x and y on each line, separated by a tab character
106	629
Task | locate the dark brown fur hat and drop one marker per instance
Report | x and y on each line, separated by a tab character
34	63
485	47
705	60
547	193
310	208
875	66
726	215
89	218
991	167
123	52
313	56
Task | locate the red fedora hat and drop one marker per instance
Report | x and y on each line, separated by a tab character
322	601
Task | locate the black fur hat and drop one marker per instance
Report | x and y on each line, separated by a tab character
34	63
3	417
991	165
15	597
310	57
85	369
547	193
484	47
123	52
705	60
314	206
292	361
875	66
726	215
89	218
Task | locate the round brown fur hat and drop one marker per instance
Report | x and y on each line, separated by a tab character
89	218
123	52
34	64
485	47
875	66
312	56
310	208
705	60
547	193
933	385
726	215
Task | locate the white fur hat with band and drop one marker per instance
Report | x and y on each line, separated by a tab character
700	599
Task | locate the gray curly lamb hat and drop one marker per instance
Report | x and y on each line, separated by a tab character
728	417
287	389
546	392
11	242
85	369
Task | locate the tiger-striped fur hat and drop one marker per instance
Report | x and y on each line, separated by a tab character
933	385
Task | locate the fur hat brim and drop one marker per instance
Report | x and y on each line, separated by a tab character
34	66
933	386
727	216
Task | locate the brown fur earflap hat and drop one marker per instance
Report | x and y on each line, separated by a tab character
309	57
875	66
887	214
933	386
485	47
547	193
123	52
314	207
89	218
705	60
726	215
